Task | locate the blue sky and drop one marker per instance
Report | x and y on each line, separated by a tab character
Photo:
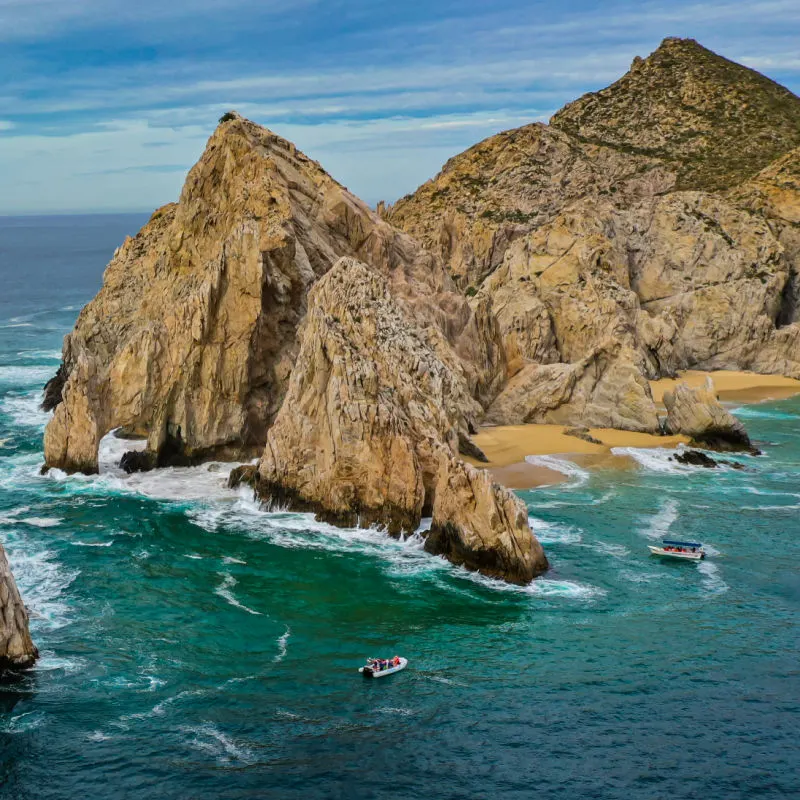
105	104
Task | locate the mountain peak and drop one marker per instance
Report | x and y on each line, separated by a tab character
717	121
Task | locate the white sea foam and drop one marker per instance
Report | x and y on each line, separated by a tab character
771	508
25	410
283	645
22	723
657	526
554	532
577	475
539	587
98	736
92	544
209	739
18	375
42	522
754	412
232	560
712	580
403	712
49	662
610	549
176	484
224	591
42	582
403	557
54	355
655	459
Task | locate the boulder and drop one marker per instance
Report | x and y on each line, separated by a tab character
697	413
604	390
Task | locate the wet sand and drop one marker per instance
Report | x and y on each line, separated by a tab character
506	447
734	387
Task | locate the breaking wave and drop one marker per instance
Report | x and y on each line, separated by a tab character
577	475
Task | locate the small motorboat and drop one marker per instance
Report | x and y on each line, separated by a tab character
685	551
380	667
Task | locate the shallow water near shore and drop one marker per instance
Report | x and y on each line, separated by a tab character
195	646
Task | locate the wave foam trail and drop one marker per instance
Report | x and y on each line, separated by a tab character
578	476
711	578
177	484
14	375
25	410
538	587
42	522
404	557
658	525
42	581
655	459
224	591
283	645
211	740
554	532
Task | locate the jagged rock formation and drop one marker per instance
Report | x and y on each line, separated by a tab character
370	427
600	231
697	413
17	650
192	338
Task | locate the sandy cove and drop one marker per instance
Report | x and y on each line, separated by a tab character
507	446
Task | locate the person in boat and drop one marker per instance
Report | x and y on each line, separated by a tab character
396	661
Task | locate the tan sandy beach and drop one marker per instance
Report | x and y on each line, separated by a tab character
731	386
507	446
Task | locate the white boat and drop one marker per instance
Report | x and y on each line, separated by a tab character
683	551
371	669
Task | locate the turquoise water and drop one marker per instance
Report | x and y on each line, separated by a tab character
194	646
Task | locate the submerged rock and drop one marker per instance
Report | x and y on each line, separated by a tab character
17	650
369	432
697	413
695	458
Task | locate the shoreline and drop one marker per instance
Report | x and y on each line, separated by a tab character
731	385
507	446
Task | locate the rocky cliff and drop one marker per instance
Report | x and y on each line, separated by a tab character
192	338
646	220
17	651
369	433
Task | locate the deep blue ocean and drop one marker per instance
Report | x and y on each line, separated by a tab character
194	646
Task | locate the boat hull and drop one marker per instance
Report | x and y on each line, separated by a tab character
368	672
660	551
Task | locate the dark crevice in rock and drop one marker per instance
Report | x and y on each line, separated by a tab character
53	388
466	447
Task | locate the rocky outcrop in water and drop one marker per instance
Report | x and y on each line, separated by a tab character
192	338
369	432
697	413
17	650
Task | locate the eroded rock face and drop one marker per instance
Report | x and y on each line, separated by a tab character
604	390
193	336
698	413
17	650
370	426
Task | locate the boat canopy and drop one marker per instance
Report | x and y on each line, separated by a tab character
681	544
